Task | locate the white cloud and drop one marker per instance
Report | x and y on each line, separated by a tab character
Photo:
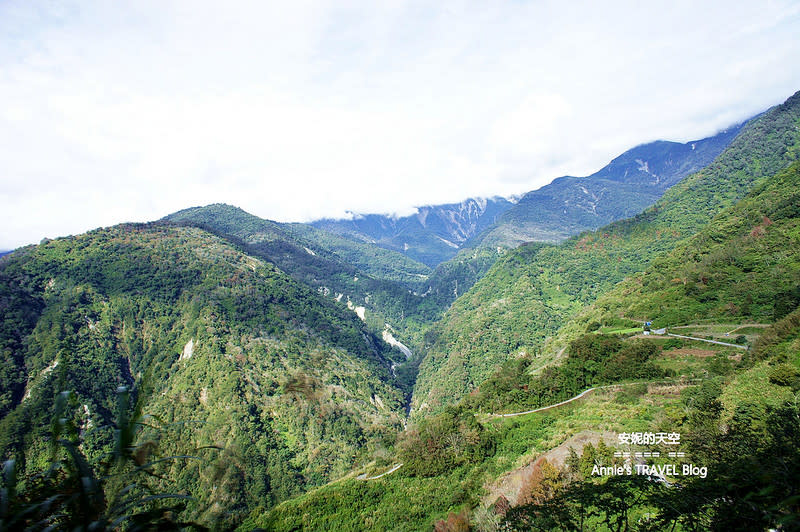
295	111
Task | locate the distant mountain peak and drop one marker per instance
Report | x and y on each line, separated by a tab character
629	183
431	235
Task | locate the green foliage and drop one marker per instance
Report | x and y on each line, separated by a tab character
404	501
672	343
221	333
632	394
720	364
353	273
115	492
377	262
751	485
593	360
444	442
19	311
242	331
740	267
786	302
593	326
780	340
455	277
609	505
785	375
755	464
531	293
380	280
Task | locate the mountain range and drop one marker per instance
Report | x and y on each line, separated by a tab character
621	189
532	291
231	371
562	208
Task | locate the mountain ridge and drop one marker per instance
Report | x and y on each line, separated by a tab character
625	186
271	335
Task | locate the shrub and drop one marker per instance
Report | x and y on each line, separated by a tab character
74	494
785	375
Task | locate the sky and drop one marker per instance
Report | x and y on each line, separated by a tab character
293	111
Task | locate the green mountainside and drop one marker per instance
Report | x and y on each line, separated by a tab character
569	205
738	417
745	265
456	276
532	291
287	240
738	422
378	287
373	260
320	260
291	385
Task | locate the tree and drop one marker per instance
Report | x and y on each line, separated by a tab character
542	484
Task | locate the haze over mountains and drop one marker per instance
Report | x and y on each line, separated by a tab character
279	362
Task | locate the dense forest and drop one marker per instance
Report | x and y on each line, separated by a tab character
291	386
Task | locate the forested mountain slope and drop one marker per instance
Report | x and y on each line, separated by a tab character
375	261
532	291
288	239
737	418
256	348
744	265
289	384
320	260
